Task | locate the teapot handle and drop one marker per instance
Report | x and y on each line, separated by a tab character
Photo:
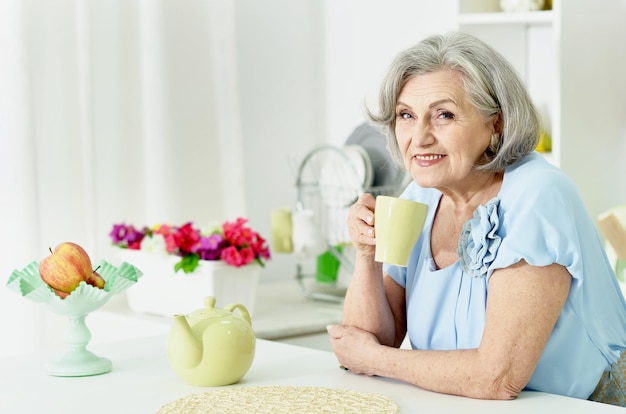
242	310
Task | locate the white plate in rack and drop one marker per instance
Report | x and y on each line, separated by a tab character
362	164
385	173
341	178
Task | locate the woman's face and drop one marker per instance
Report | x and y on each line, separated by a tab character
441	135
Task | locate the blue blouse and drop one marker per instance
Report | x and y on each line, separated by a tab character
538	216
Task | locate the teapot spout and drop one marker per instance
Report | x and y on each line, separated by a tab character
184	347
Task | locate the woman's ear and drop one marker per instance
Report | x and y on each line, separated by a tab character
496	136
497	123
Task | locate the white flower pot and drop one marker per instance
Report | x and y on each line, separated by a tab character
161	291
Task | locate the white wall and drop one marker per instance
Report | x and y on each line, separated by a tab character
361	39
107	110
305	69
280	57
594	101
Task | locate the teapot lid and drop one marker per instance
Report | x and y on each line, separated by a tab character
209	310
201	318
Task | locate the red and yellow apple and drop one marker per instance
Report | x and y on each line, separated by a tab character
66	267
60	294
95	279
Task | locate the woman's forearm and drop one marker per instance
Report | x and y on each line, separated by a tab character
366	304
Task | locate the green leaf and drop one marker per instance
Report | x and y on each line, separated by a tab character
188	263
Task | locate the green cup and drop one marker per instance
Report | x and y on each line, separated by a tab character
398	224
328	266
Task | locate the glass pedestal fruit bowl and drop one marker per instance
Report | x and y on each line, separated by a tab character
77	361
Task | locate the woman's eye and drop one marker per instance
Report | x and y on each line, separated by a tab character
404	115
446	115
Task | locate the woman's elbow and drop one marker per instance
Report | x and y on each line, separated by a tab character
506	393
503	387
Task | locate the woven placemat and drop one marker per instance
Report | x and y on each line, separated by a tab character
281	399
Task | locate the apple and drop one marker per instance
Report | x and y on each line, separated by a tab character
60	294
95	279
66	267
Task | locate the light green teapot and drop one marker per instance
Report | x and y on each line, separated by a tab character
212	346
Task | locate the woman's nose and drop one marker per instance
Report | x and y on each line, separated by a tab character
422	134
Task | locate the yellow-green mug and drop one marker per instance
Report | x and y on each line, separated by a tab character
398	224
281	230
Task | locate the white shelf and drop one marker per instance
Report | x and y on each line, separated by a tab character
535	18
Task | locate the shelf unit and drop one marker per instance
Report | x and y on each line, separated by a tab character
575	77
527	40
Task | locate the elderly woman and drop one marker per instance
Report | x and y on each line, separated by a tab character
508	287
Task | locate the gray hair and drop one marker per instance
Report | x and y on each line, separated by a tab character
492	86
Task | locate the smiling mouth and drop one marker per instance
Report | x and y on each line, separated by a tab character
429	157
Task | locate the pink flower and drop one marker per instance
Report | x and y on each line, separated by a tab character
231	256
236	243
186	238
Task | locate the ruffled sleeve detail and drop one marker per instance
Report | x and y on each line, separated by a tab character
479	241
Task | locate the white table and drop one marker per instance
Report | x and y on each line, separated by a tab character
141	381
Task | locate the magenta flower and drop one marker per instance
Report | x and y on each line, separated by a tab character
234	243
210	248
126	236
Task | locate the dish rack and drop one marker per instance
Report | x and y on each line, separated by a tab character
329	180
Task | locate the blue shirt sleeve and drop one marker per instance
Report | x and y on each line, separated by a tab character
541	222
